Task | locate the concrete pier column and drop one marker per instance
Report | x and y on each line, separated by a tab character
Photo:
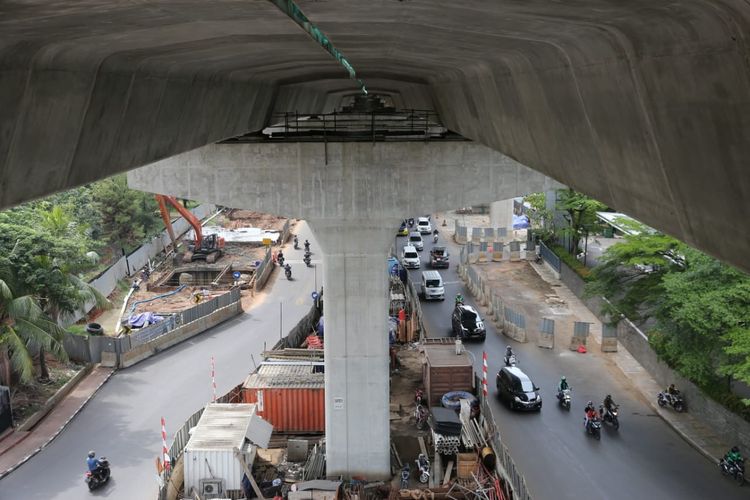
355	292
501	214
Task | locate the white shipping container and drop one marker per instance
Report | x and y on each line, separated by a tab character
209	454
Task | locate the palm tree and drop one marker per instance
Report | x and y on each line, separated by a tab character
64	294
23	327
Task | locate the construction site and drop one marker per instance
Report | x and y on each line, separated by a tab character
227	251
266	437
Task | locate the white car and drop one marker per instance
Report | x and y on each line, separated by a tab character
423	225
410	258
415	240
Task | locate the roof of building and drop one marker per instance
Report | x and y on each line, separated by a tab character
223	427
286	376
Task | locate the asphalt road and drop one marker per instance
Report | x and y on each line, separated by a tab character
122	420
644	459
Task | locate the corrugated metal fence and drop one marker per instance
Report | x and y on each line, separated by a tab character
89	348
518	482
263	271
550	257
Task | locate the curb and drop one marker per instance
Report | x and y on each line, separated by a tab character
58	431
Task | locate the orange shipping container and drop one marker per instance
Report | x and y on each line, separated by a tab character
290	397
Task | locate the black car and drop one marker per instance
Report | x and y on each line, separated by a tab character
439	257
516	389
467	324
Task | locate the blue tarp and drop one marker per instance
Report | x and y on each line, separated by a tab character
520	221
143	319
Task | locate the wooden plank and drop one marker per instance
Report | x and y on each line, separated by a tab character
422	446
448	471
248	473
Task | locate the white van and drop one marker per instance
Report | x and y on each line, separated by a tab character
415	240
432	285
410	258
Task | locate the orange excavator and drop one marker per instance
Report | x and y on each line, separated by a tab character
208	248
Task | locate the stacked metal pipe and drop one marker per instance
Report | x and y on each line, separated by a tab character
446	445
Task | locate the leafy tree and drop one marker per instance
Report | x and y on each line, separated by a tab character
24	327
704	319
127	216
539	216
580	212
43	266
630	273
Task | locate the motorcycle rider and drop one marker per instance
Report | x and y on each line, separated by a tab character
589	412
733	456
288	270
435	236
296	242
672	390
280	258
307	246
459	298
561	386
607	404
92	462
508	353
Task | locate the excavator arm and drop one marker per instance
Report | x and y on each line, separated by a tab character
163	199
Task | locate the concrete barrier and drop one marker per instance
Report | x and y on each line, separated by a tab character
547	334
580	335
515	251
179	334
460	234
497	251
609	338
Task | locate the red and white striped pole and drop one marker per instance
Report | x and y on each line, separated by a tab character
484	374
165	450
213	378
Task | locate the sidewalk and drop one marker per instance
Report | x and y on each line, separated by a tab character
18	447
698	435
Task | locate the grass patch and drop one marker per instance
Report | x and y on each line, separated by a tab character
27	399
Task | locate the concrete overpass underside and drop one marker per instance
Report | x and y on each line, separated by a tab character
644	105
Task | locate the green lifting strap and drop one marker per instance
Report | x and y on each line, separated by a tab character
291	9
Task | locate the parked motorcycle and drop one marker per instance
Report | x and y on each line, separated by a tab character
100	476
594	428
511	360
423	464
564	398
735	469
673	400
288	272
610	417
405	475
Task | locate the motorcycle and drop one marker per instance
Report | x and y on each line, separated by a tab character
511	360
594	428
610	416
434	238
306	260
564	398
420	415
411	222
405	475
735	469
280	260
307	247
100	476
423	464
673	400
288	272
296	242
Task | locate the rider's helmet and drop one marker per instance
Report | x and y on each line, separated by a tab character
590	403
608	397
92	454
735	449
562	379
